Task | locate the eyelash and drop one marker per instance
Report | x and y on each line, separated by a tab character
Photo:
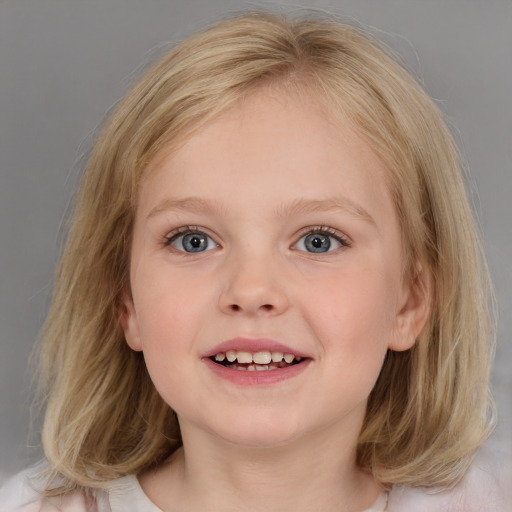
344	241
169	238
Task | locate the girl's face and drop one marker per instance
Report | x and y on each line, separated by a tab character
270	234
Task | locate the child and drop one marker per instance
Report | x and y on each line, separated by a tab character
272	296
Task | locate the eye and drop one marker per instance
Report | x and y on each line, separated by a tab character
188	240
321	240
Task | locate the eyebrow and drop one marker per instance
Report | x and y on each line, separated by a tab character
296	207
192	204
333	204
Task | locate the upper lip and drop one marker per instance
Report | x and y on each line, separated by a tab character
253	345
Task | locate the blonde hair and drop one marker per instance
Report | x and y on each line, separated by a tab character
429	409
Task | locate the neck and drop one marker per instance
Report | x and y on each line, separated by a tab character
310	474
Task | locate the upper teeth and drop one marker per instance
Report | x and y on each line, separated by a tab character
263	357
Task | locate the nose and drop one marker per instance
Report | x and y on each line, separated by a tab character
254	287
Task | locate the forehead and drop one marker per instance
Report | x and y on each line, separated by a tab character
307	103
286	146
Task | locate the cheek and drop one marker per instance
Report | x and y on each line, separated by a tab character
169	317
168	302
350	316
166	325
353	311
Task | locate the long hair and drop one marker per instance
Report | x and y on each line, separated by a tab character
429	409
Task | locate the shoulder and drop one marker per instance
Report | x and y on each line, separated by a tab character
487	487
22	493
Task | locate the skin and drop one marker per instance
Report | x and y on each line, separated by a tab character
266	172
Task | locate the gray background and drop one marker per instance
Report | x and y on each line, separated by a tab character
63	63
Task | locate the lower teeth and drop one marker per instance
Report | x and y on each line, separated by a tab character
257	367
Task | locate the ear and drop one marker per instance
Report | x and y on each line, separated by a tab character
130	323
414	309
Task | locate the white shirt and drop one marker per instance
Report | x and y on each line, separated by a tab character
486	488
122	495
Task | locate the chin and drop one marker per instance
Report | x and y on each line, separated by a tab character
259	434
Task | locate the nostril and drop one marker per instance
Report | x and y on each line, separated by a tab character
265	307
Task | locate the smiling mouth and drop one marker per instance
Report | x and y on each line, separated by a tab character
257	361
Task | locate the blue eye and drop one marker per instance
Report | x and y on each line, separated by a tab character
320	241
191	241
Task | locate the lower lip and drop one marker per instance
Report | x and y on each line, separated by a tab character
255	378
